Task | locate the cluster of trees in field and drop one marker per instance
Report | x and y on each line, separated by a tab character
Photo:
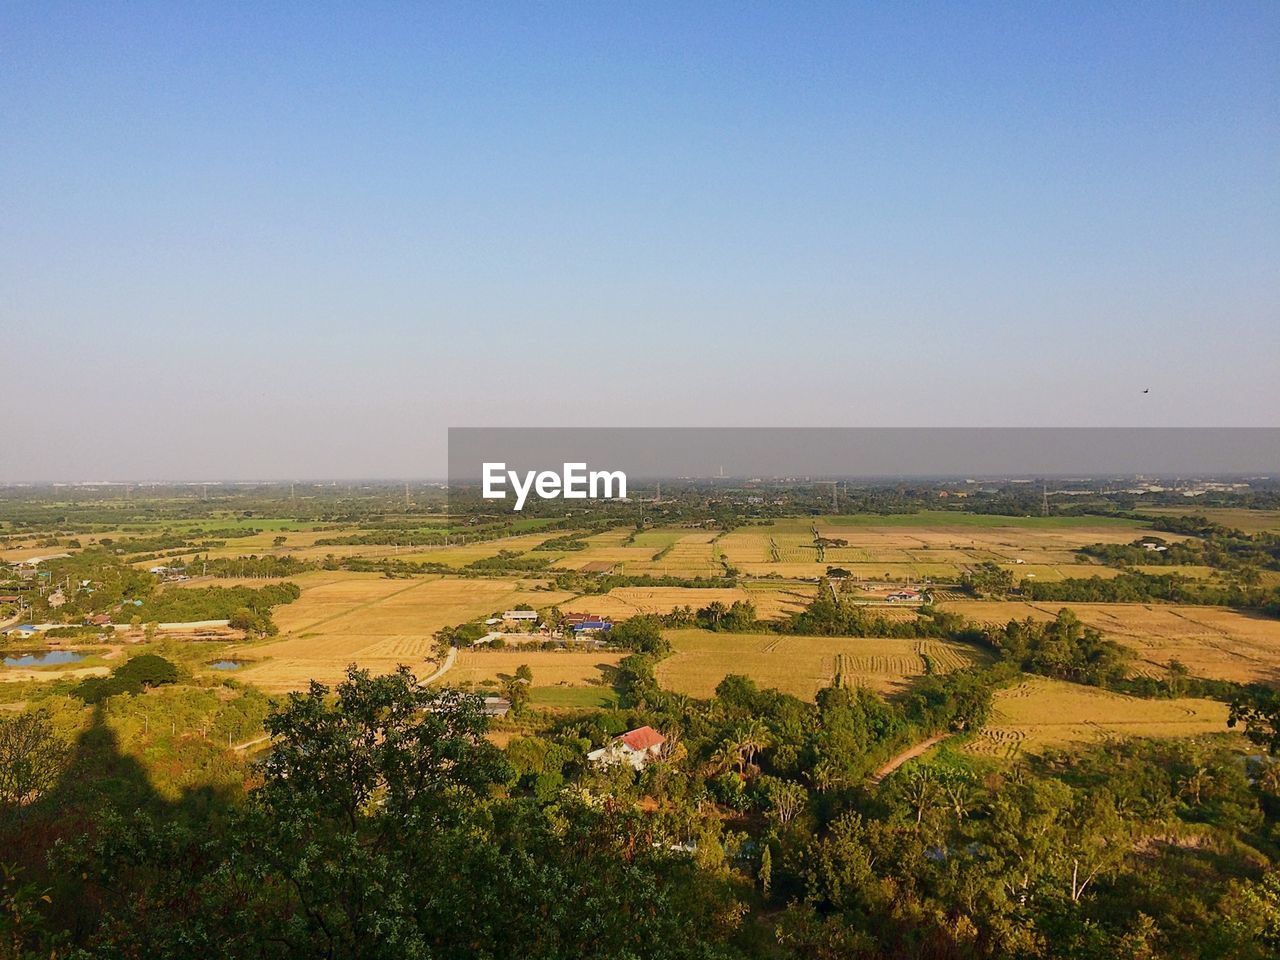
1136	587
1209	544
575	541
171	540
133	676
415	535
1175	553
603	583
1063	648
266	567
404	538
509	561
988	579
248	608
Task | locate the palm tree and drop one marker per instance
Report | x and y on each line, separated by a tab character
921	790
825	777
1195	785
724	757
753	736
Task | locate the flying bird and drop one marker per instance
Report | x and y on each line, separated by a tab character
1148	390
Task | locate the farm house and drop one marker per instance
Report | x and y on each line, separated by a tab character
635	748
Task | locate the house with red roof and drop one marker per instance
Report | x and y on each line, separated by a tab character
634	748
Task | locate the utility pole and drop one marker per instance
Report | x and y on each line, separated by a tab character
1044	488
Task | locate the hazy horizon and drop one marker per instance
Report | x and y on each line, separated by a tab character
251	242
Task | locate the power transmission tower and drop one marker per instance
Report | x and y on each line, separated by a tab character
1044	488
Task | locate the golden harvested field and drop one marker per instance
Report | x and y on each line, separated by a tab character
924	546
623	602
25	674
375	622
19	553
551	668
1039	713
802	665
469	553
1182	570
659	552
1214	642
611	547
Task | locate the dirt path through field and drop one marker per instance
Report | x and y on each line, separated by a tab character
444	667
908	754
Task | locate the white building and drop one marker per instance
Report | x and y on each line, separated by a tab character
634	748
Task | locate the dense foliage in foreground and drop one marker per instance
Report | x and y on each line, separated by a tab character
384	824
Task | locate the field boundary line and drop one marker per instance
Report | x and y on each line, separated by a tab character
362	606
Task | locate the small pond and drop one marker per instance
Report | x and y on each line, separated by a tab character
42	658
227	664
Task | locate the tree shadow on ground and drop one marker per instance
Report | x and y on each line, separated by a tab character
103	795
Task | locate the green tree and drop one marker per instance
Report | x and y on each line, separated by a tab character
31	758
1257	709
359	785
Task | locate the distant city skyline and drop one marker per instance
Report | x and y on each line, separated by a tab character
304	241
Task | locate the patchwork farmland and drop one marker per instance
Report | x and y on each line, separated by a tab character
374	622
922	546
364	618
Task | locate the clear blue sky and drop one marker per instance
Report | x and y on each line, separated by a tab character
275	240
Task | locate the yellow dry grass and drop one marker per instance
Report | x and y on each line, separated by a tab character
623	602
467	553
1039	713
802	665
21	554
609	547
551	668
1214	642
24	674
934	550
374	622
